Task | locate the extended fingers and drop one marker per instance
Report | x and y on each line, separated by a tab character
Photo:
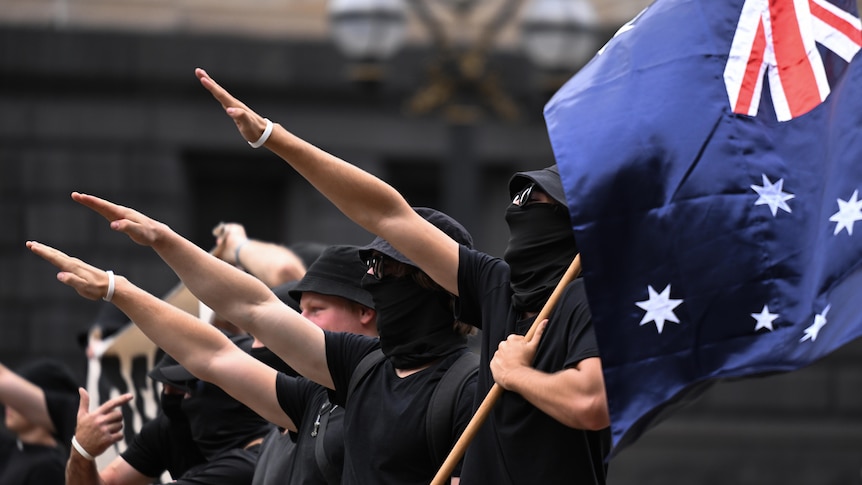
54	256
106	209
114	403
88	281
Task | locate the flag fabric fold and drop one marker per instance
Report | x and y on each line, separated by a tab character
711	154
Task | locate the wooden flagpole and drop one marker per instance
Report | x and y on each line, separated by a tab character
496	391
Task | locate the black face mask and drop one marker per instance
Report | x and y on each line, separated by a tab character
541	248
172	407
219	422
415	324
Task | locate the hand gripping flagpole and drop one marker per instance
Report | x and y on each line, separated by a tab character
445	471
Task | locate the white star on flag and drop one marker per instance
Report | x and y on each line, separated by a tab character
659	307
819	321
772	195
849	211
764	319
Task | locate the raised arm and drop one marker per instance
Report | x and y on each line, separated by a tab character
362	197
202	349
25	397
237	296
271	263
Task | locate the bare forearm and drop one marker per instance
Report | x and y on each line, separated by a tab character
374	205
25	397
80	471
178	333
563	396
230	292
271	263
197	345
362	197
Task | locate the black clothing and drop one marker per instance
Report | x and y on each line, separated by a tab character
415	324
541	248
230	467
220	422
303	400
519	444
23	464
384	423
275	460
163	444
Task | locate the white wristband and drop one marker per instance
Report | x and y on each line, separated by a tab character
80	449
264	136
110	294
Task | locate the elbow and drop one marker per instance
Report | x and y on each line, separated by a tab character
597	415
589	414
288	272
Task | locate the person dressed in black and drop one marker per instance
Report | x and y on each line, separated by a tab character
201	436
41	400
553	425
385	437
313	453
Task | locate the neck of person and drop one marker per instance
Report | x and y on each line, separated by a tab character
37	436
402	373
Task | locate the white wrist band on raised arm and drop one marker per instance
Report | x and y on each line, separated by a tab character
264	136
80	449
110	294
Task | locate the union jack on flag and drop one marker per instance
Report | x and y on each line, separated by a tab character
710	154
779	38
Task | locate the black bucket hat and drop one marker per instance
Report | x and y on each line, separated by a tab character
283	292
337	272
548	179
442	221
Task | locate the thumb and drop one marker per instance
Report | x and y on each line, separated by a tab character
84	403
540	330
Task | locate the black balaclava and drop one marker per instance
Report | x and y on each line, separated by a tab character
415	324
219	422
172	406
541	248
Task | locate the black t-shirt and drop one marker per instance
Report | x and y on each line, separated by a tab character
519	444
23	464
276	459
384	424
163	445
230	467
303	401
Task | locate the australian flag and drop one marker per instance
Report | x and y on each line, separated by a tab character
712	158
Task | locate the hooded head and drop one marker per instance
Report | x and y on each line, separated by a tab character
415	318
218	422
541	240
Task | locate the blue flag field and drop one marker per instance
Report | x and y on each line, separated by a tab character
712	158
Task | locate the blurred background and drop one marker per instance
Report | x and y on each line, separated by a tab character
441	98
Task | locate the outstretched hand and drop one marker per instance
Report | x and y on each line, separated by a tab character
249	123
513	354
89	281
101	428
138	227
